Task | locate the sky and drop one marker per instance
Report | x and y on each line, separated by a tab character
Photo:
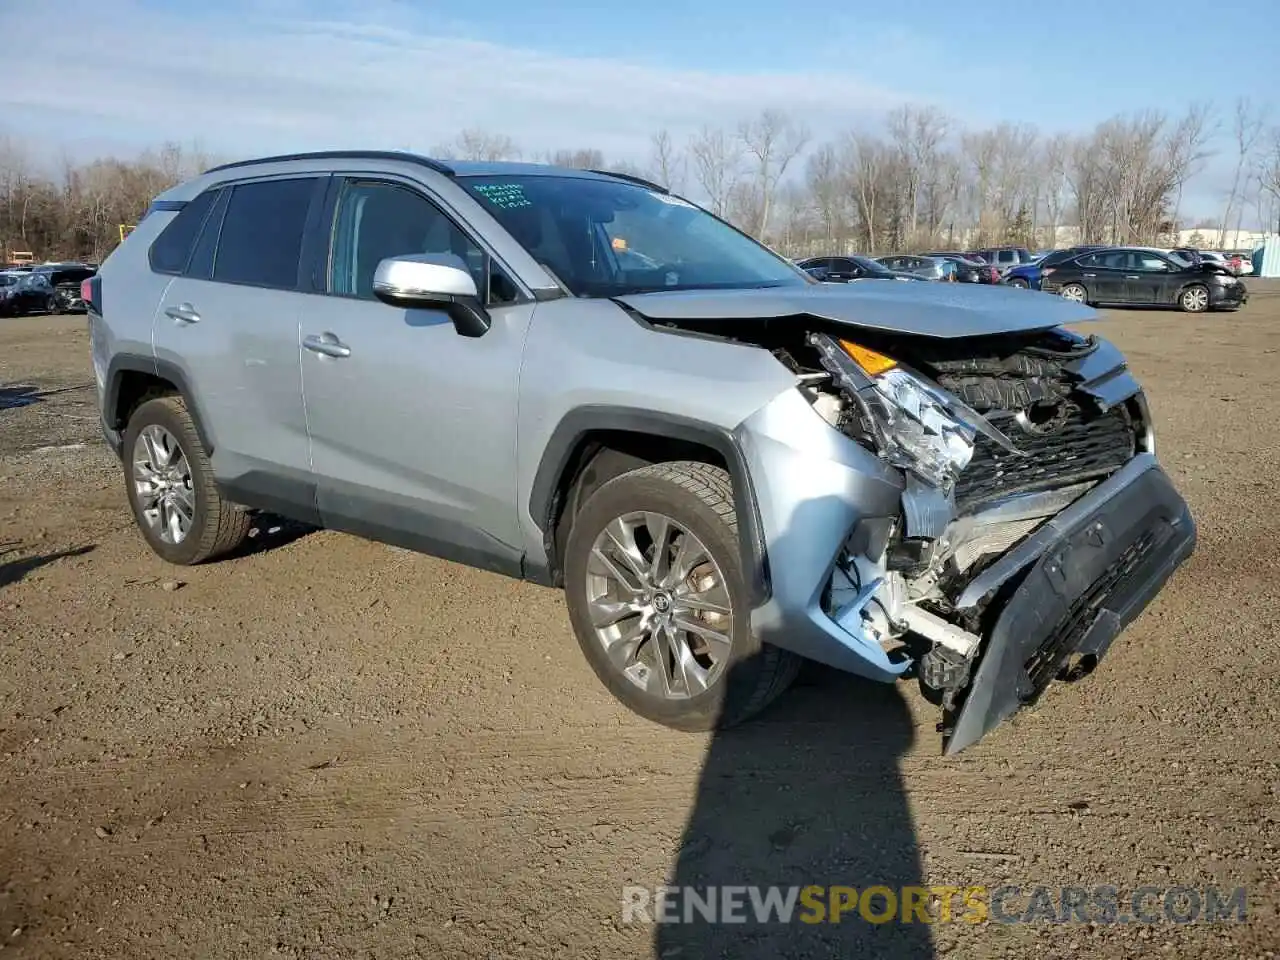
251	77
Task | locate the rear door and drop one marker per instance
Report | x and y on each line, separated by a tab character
229	321
1102	274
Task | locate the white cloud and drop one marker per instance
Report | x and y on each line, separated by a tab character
266	78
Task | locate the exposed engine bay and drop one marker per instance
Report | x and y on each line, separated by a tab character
995	436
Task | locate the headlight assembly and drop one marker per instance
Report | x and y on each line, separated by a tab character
914	424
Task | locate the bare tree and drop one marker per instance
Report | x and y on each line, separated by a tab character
717	166
827	188
772	141
918	134
1268	172
867	166
1247	125
668	164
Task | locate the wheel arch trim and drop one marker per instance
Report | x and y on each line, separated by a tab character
126	363
579	423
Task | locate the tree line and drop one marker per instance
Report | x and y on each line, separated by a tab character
918	181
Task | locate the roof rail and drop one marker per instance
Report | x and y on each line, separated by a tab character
632	179
402	156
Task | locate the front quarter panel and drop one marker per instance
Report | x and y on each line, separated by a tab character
584	354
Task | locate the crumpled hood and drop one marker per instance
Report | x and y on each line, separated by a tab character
924	309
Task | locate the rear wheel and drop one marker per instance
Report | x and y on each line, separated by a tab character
1075	293
171	489
1194	299
659	602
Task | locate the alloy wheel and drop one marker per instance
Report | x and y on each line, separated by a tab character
162	482
1073	292
659	605
1196	299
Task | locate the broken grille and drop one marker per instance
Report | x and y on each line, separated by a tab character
1083	446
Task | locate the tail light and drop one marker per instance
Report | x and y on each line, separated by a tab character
91	294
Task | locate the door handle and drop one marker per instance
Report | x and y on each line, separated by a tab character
1089	274
327	345
1133	278
183	313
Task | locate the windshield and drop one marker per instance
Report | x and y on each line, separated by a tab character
603	238
1177	256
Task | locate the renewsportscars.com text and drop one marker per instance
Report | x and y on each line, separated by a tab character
1103	904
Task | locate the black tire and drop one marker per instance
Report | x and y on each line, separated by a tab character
53	306
1194	299
1019	283
699	497
217	527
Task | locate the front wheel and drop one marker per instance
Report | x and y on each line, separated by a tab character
171	489
1194	299
659	602
1019	283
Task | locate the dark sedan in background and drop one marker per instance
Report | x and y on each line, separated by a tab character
927	268
969	269
850	268
1142	276
47	288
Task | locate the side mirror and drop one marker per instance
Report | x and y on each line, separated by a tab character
433	280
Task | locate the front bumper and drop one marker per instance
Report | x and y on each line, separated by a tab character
1067	589
1228	295
1081	579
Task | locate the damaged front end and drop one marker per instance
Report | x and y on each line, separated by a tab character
998	518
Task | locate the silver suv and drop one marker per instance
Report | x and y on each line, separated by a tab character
579	379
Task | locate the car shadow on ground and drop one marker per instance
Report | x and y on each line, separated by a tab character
21	395
270	532
14	569
807	795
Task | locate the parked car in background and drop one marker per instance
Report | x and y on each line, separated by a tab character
8	287
1003	259
1145	276
1240	263
1027	275
928	268
970	269
847	269
48	288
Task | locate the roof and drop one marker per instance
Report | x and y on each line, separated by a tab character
452	168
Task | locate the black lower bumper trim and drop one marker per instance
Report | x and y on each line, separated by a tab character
1090	584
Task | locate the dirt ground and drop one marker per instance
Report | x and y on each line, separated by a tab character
330	748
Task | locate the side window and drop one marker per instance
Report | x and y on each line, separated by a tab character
1089	260
200	266
171	250
1151	263
1008	257
375	220
261	239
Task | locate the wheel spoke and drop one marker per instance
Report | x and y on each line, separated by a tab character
184	502
623	538
689	554
659	528
605	613
154	459
718	642
622	650
699	604
605	566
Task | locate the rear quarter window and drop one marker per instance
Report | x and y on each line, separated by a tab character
172	249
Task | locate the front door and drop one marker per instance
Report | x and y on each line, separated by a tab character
1147	278
413	426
